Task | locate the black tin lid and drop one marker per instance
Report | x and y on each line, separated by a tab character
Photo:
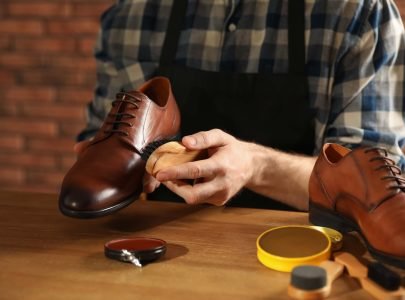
144	249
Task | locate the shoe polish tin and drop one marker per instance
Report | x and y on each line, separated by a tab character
335	236
285	247
138	250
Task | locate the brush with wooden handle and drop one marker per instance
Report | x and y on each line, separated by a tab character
379	281
169	154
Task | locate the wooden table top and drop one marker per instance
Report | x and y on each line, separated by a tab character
211	252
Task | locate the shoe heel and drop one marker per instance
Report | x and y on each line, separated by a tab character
322	217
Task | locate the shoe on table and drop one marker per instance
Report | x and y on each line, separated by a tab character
107	175
361	190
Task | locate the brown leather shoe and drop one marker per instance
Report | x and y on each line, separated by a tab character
107	175
361	190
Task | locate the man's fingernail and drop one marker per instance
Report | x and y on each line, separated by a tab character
192	141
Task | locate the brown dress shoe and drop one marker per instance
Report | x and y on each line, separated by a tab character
107	175
361	190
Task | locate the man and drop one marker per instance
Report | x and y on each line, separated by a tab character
262	85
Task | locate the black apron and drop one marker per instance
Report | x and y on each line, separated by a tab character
268	109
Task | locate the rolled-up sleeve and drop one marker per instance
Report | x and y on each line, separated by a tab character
367	100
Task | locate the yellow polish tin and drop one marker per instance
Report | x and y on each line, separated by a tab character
285	247
336	238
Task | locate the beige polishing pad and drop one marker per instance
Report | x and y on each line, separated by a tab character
170	154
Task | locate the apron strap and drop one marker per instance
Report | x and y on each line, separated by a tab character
176	20
296	35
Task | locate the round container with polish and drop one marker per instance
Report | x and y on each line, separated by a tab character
283	248
143	249
336	238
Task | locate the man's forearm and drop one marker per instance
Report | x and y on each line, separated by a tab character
281	176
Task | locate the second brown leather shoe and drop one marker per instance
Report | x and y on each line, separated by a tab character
361	190
107	175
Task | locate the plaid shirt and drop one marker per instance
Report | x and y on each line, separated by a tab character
354	54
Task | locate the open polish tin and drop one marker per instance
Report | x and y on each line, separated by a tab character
283	248
138	250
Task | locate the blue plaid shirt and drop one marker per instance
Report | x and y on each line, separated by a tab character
354	54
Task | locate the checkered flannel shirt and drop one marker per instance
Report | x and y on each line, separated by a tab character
354	58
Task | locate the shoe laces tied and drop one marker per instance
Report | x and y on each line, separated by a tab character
387	163
122	98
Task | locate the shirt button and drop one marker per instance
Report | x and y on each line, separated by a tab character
232	27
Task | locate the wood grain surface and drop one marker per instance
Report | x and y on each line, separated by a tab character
211	253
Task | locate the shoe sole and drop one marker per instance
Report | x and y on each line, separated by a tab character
90	214
323	217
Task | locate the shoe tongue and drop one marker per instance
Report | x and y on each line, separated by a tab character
377	158
137	97
126	104
379	188
390	169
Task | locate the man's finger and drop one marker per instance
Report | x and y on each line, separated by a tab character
190	170
149	183
192	194
206	139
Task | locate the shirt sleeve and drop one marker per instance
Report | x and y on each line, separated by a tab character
367	104
123	59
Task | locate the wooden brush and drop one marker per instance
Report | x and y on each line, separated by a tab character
372	278
314	282
163	155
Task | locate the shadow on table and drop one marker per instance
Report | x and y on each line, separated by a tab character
140	216
149	215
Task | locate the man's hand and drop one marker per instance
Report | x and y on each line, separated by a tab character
217	178
149	183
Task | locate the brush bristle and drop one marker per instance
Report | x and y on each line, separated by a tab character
148	149
383	276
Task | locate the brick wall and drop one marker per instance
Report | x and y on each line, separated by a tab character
47	74
401	6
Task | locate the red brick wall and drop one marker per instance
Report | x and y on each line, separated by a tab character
47	74
401	6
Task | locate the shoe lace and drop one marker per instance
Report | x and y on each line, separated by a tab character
387	163
122	98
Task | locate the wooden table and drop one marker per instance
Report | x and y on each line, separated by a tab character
211	253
